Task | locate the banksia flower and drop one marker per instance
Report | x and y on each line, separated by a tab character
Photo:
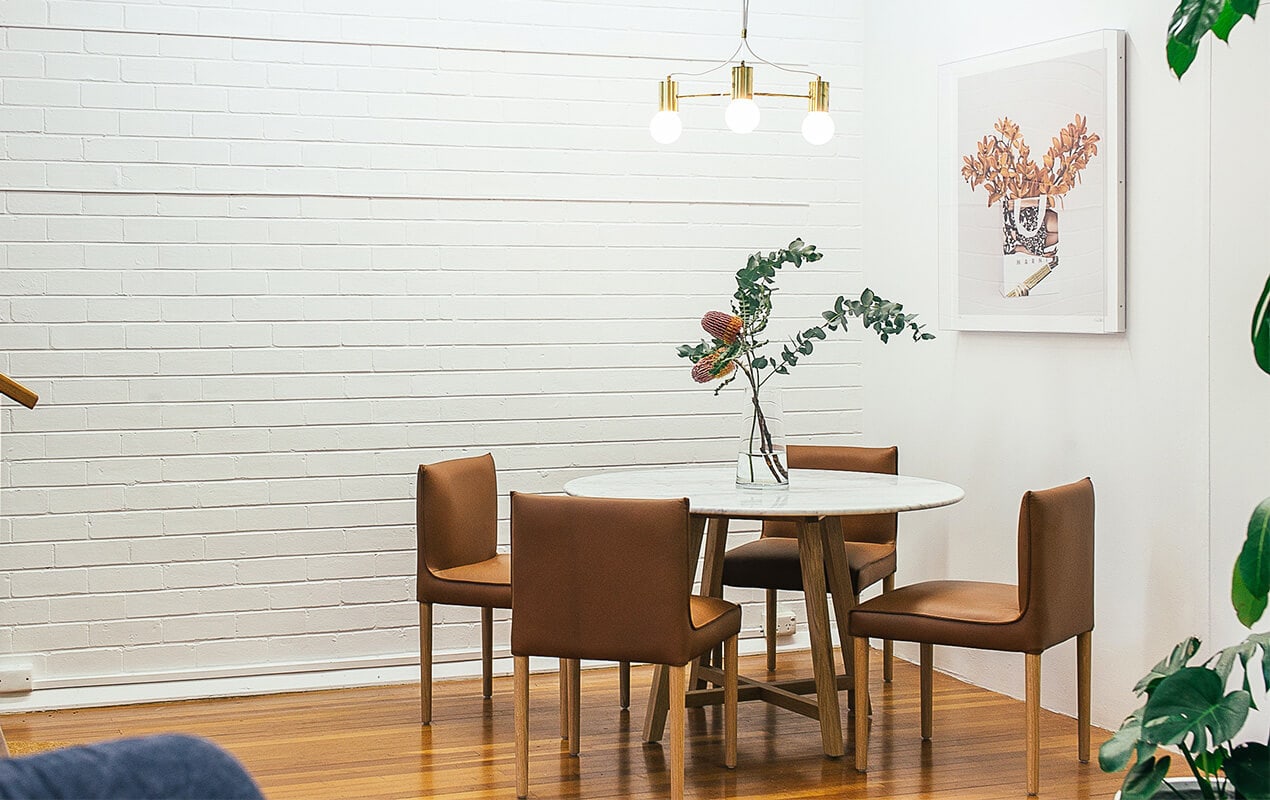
724	327
709	368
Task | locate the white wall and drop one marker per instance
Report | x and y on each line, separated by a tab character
1239	393
1002	413
261	261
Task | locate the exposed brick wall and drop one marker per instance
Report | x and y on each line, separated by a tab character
261	261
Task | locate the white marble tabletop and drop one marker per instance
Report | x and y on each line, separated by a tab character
712	490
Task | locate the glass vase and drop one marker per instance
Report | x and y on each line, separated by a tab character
760	460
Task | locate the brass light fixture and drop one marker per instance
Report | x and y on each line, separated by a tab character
742	114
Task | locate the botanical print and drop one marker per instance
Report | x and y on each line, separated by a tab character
1028	193
1031	188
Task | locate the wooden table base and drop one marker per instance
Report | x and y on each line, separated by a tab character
820	551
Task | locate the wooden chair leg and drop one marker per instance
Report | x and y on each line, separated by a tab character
487	652
624	684
888	647
1083	665
1033	702
520	672
927	689
678	682
729	702
564	698
425	662
860	714
575	705
769	630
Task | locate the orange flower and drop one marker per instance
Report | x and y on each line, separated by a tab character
724	327
709	368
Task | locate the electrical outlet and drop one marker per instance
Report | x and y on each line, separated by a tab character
786	622
15	680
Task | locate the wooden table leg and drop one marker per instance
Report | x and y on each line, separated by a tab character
840	587
811	558
659	693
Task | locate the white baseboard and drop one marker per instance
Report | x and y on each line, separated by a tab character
111	690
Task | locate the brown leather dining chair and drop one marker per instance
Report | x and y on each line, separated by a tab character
771	562
1052	602
459	563
609	580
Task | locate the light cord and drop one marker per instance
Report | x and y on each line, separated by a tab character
744	44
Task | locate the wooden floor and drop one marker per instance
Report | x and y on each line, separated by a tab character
367	743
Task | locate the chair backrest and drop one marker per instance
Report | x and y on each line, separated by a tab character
879	528
456	513
1056	563
603	579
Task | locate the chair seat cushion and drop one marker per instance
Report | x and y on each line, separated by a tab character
713	620
486	583
772	563
957	613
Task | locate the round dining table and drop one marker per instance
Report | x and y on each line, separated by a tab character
814	500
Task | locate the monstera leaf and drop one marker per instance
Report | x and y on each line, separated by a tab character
1193	19
1192	702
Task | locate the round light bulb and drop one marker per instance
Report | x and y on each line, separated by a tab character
741	115
665	127
818	127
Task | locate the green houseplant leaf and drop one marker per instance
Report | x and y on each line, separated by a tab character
1249	769
1191	702
1141	782
1191	20
1250	584
1115	753
1181	654
1261	330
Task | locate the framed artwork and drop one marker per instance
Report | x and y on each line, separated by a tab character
1031	188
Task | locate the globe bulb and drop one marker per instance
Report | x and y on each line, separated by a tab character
665	127
818	127
741	115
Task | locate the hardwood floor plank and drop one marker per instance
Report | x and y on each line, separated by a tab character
368	743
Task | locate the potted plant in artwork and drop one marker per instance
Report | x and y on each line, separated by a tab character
736	348
1030	194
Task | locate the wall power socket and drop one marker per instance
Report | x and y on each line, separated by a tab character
786	622
15	680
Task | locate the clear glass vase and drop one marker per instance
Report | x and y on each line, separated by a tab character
760	460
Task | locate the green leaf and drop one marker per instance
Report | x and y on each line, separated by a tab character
1226	21
1231	14
1115	753
1248	607
1251	587
1249	769
1190	702
1209	762
1191	20
1261	330
760	362
1144	779
1182	653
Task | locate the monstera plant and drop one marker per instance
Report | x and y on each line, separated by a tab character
1188	706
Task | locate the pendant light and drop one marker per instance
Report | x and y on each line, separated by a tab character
742	114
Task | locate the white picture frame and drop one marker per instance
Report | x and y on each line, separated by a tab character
997	271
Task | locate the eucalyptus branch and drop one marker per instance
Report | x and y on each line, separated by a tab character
736	341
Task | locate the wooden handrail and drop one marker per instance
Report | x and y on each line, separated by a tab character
11	388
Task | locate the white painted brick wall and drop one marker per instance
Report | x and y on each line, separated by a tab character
261	262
